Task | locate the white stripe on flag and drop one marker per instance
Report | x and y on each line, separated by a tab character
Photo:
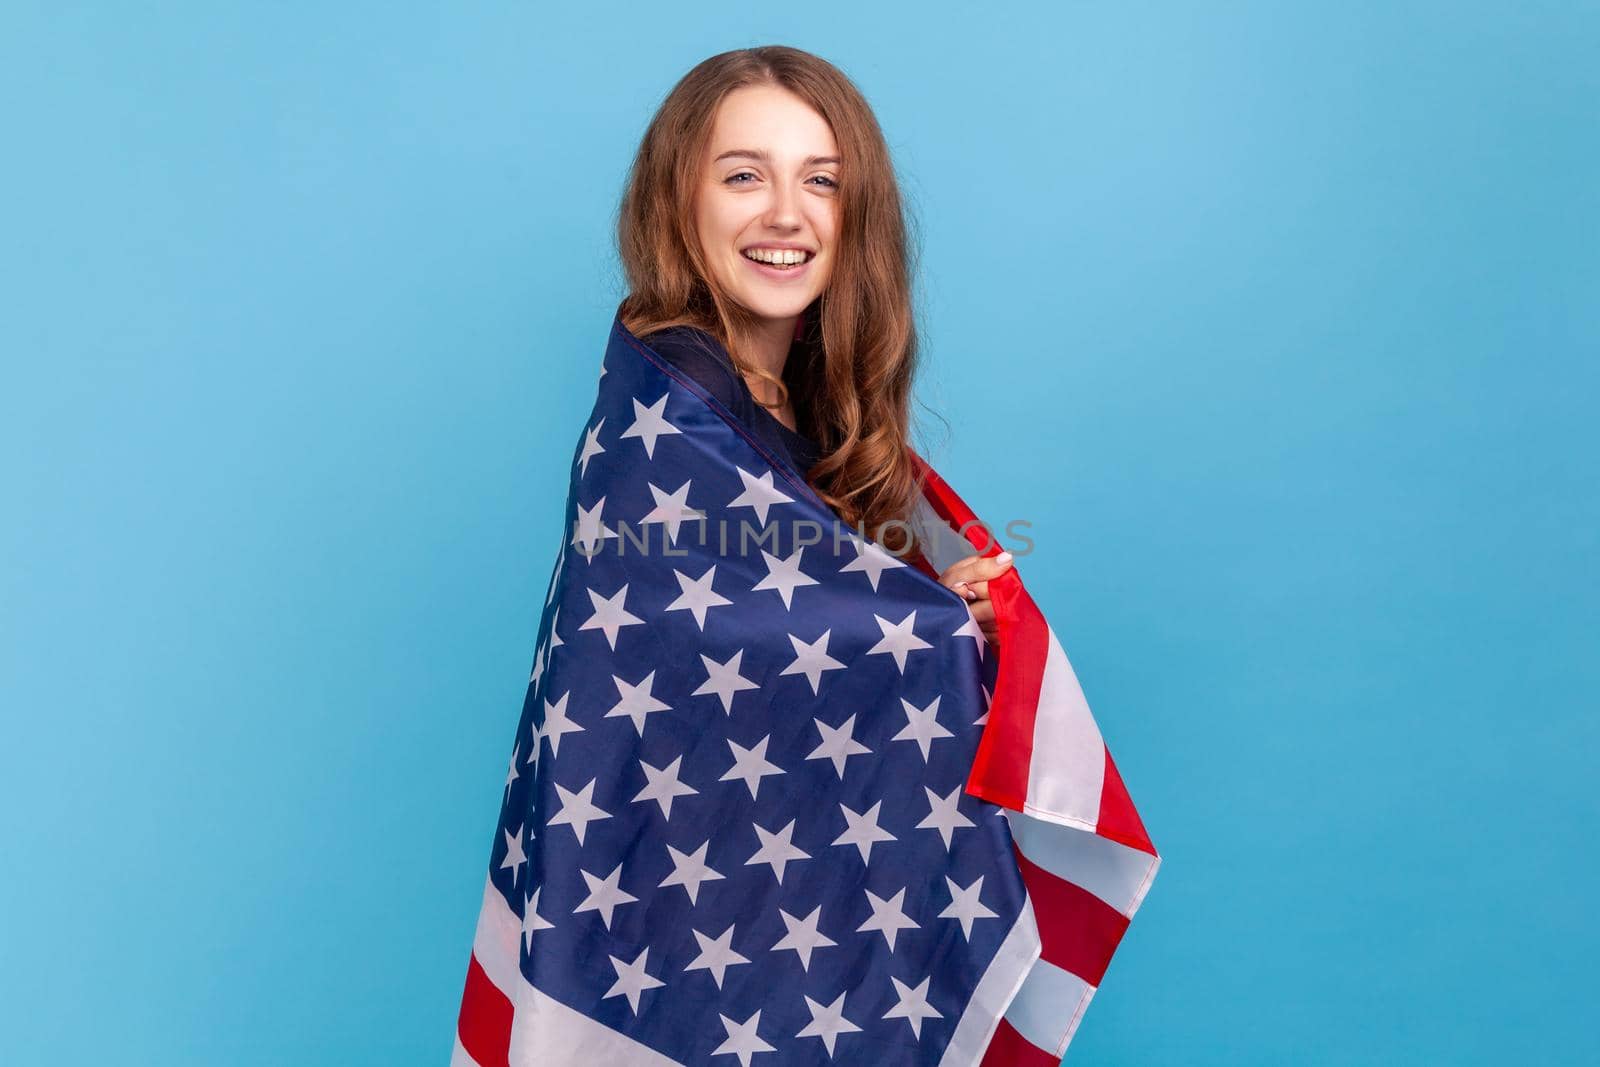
1047	1009
937	540
1068	765
994	992
1115	873
496	942
459	1057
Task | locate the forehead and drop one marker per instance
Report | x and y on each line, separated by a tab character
766	117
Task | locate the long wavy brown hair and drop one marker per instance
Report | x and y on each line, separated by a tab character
853	365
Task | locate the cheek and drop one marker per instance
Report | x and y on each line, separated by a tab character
722	219
710	225
826	226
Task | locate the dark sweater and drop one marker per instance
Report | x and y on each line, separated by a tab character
702	357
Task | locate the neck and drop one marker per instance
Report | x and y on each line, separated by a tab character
768	348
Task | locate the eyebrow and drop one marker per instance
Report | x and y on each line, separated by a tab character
764	157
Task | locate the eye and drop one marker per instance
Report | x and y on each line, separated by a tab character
831	183
732	178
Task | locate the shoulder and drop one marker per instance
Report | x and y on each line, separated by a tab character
701	357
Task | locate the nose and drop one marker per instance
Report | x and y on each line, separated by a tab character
783	211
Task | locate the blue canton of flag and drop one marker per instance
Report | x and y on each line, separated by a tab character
734	826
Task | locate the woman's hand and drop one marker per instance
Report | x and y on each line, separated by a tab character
970	578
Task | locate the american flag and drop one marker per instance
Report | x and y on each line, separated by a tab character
773	798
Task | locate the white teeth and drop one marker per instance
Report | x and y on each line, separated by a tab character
782	257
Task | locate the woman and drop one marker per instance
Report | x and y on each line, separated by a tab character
761	805
755	233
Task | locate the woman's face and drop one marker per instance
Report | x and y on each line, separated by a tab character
769	187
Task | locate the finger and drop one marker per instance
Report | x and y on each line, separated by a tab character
983	611
977	568
962	587
992	567
959	570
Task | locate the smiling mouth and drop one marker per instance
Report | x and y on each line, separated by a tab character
781	259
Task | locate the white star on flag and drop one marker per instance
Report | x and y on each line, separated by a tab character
870	560
663	785
604	894
803	936
591	447
672	509
987	699
965	905
943	815
609	615
689	870
898	639
697	595
511	771
716	955
913	1006
888	917
577	809
971	629
631	980
556	723
922	725
758	494
784	575
828	1022
536	747
777	850
538	664
555	635
515	856
636	701
650	423
724	680
812	659
750	765
742	1040
588	531
532	921
862	830
838	743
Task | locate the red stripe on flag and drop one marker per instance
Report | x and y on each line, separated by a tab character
1008	1048
1118	820
1005	751
484	1026
1078	931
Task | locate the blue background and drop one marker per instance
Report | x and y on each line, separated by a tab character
1279	323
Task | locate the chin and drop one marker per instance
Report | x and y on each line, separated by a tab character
770	306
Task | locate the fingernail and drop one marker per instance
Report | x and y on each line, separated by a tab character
1004	557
